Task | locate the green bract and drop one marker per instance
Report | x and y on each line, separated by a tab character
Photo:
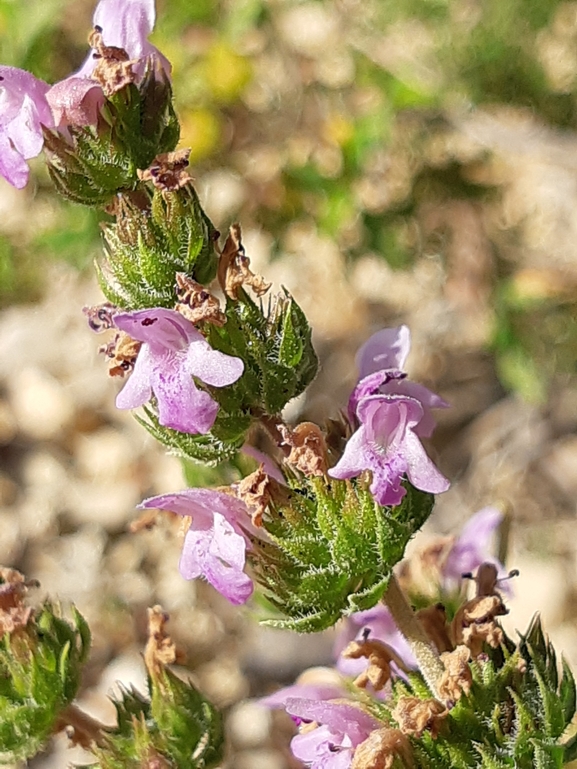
150	242
40	670
136	124
177	729
333	551
515	716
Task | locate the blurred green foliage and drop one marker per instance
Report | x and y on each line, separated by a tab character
332	112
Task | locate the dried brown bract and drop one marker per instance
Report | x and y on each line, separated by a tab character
457	677
234	268
256	492
168	171
113	69
122	352
475	623
308	451
160	649
14	615
414	716
434	622
379	655
196	303
380	750
100	316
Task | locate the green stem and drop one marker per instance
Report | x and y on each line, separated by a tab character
426	655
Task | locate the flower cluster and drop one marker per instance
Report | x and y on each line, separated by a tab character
335	728
392	414
28	104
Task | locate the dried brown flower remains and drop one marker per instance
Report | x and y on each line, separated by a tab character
308	451
168	171
414	716
379	655
113	70
196	303
380	750
234	267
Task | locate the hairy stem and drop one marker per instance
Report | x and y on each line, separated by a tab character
83	729
405	619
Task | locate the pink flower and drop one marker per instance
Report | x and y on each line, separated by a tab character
173	351
23	111
125	24
391	414
387	443
342	727
472	548
27	104
380	361
216	542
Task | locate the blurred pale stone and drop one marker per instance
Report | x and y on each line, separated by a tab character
110	503
105	455
222	194
336	68
62	754
259	759
11	539
222	680
41	406
560	463
8	490
8	426
249	724
309	28
541	587
166	473
125	671
70	567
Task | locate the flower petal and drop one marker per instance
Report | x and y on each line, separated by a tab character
355	458
15	85
303	691
126	24
13	167
321	748
219	555
211	366
158	327
181	405
429	400
387	349
420	469
339	717
201	505
138	389
471	548
75	101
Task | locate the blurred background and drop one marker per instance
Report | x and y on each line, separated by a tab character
405	161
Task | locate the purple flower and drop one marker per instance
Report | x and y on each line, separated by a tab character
387	349
341	728
216	542
27	104
319	690
380	361
125	24
472	547
173	351
380	625
23	111
387	443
